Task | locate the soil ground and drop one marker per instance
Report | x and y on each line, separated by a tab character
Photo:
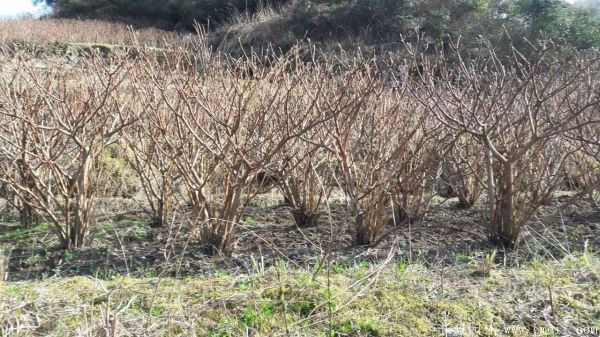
125	243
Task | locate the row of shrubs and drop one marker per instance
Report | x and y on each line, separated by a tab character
199	131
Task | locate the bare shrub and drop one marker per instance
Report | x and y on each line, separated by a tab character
27	214
299	169
375	130
220	132
55	125
464	171
517	111
302	186
147	142
418	168
583	169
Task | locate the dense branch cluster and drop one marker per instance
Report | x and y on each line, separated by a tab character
204	138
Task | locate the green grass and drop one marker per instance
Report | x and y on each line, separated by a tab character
23	233
369	300
248	220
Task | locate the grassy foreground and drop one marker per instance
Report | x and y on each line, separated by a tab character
539	298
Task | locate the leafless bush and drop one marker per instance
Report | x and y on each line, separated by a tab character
418	168
374	134
27	214
464	171
148	148
302	185
219	132
583	169
516	112
55	125
300	166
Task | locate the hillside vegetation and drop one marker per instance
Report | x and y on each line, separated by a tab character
379	24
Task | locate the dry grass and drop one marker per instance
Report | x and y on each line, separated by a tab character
363	300
32	31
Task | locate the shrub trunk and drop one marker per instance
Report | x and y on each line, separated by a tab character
304	218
